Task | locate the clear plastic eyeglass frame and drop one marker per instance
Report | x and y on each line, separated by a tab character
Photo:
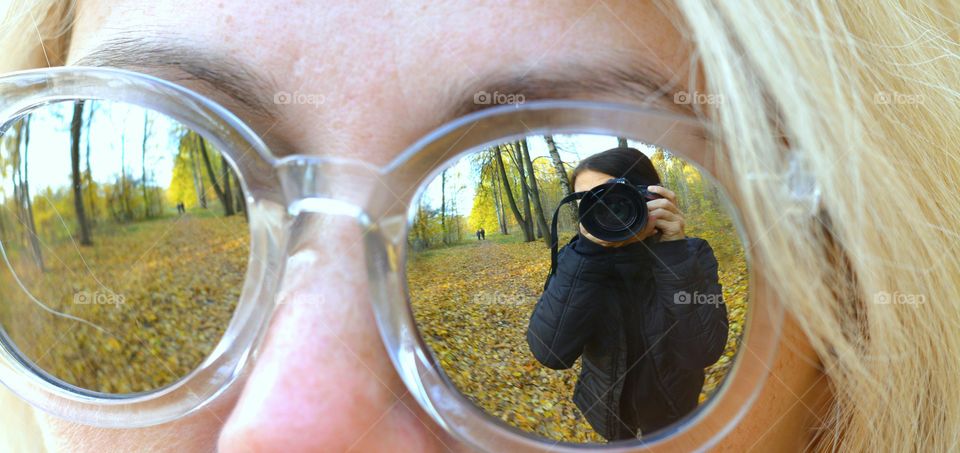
284	194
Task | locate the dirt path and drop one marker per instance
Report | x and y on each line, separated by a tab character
473	303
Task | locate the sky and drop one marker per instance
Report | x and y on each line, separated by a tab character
113	124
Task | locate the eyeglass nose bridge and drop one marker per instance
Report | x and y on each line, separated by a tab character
327	185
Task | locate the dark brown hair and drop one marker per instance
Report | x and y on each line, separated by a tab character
627	163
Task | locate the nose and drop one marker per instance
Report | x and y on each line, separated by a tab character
322	380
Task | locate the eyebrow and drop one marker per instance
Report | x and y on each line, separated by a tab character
632	80
623	76
223	73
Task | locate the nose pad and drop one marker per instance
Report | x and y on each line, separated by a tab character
329	185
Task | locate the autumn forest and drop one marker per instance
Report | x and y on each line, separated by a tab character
127	236
473	298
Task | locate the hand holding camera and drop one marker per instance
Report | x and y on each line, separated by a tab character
669	220
613	214
616	213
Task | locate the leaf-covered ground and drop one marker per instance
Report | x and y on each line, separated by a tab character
473	302
163	292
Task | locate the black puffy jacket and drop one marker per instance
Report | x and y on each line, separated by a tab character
628	312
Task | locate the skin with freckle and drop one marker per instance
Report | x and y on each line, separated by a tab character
323	381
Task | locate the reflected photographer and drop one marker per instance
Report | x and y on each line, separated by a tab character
612	298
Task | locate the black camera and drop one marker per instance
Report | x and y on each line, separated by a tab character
616	210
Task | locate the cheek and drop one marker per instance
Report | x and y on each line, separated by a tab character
197	432
794	398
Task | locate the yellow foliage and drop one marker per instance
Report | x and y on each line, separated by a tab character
163	291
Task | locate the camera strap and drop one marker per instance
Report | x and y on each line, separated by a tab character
553	229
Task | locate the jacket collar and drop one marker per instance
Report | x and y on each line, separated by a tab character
634	251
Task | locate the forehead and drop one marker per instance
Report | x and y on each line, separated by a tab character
385	73
587	179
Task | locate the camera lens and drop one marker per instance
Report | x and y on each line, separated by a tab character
615	213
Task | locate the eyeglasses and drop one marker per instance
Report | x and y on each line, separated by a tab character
145	230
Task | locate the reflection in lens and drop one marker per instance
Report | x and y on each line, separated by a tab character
615	213
608	351
126	243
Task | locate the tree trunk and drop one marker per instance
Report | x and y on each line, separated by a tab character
241	198
535	194
3	228
443	206
456	222
125	196
15	164
227	190
564	179
517	158
75	126
91	199
498	202
227	203
18	179
143	166
26	203
505	187
197	179
420	226
622	142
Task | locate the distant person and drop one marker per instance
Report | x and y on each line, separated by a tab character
626	308
478	235
483	234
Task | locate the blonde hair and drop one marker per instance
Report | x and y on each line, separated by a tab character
34	33
864	102
21	431
859	102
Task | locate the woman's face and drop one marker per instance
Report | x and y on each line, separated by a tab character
588	179
387	73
